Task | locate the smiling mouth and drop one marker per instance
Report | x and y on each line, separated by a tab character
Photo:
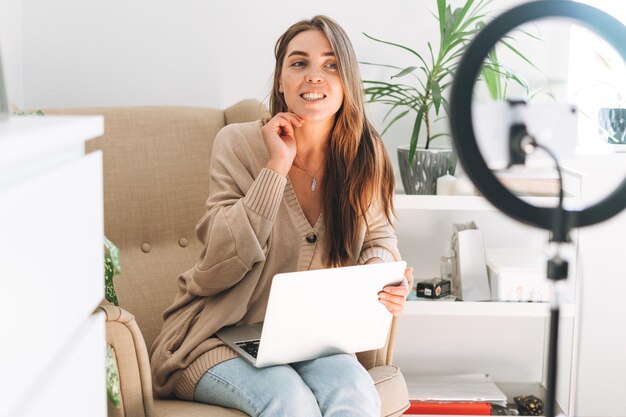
312	96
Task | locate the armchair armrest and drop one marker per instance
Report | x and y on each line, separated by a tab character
383	356
123	334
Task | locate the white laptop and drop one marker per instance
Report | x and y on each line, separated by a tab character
318	313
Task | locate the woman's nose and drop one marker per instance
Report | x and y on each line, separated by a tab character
314	77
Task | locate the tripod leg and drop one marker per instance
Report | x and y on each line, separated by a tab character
552	361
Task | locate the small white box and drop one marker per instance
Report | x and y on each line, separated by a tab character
518	275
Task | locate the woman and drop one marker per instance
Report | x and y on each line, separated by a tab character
310	188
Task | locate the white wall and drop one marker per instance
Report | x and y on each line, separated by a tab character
600	363
11	49
81	53
194	52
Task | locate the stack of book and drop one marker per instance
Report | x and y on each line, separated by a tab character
537	182
469	394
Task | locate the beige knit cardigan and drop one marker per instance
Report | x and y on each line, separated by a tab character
253	228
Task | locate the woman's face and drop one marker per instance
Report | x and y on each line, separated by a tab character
310	79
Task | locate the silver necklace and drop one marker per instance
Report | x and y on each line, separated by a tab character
313	176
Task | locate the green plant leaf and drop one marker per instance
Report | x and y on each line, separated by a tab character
491	76
399	46
441	11
446	105
491	80
111	251
395	106
436	91
112	377
461	14
439	135
407	94
379	65
521	55
432	55
416	133
111	268
404	72
395	119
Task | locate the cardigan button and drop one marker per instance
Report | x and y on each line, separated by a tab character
312	238
145	247
183	242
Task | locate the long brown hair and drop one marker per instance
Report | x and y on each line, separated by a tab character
358	169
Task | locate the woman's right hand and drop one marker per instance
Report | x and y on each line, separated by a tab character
278	135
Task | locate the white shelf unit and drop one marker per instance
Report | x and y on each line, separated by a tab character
506	340
52	269
485	309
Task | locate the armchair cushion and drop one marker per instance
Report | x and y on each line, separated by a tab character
176	408
392	390
124	336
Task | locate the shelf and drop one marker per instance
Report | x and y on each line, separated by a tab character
512	390
31	145
458	202
441	202
21	136
484	308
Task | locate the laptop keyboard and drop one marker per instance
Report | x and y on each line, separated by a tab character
251	347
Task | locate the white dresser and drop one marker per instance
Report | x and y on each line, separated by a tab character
52	348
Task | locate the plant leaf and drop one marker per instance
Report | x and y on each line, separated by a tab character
112	378
432	56
416	132
508	45
404	72
395	119
399	46
111	268
491	76
446	105
441	11
436	90
461	14
439	135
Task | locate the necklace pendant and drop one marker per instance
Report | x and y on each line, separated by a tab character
314	184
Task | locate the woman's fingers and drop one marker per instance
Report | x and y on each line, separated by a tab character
285	121
394	305
402	289
279	138
394	297
408	275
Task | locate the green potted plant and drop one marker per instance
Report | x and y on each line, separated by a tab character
111	268
429	78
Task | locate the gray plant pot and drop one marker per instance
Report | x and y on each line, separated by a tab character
428	165
613	120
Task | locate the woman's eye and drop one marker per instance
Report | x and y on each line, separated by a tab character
298	64
332	66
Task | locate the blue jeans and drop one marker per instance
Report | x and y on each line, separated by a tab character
334	386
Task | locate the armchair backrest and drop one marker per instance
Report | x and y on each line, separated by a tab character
156	180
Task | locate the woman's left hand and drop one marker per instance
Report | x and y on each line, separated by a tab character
394	297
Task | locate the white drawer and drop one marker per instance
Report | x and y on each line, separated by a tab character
74	385
51	266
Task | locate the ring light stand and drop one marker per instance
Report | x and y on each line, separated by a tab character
558	220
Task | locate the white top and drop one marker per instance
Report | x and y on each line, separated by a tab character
32	144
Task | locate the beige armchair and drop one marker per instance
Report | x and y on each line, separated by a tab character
156	180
